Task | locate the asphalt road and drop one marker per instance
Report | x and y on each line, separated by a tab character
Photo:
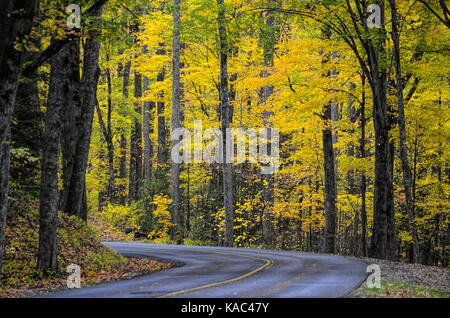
218	272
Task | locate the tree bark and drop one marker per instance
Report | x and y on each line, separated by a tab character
16	19
407	175
123	141
383	244
111	191
269	39
48	210
226	118
105	127
147	155
352	188
329	157
177	96
363	186
147	161
135	186
382	233
76	202
162	154
107	134
330	184
71	118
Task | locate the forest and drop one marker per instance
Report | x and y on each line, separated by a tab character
97	98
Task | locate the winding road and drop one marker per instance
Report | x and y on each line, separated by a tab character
219	272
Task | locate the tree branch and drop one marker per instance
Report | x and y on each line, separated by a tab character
446	22
57	45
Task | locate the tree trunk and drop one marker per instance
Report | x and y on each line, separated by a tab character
330	184
111	190
76	202
16	19
147	160
382	158
123	141
135	187
71	118
226	118
383	245
162	155
383	241
269	39
352	188
407	175
362	149
177	96
330	189
162	151
48	210
110	148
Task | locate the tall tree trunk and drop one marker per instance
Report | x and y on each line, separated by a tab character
71	118
48	210
330	184
382	158
177	96
123	141
407	175
16	19
226	118
269	39
72	112
111	190
147	160
135	172
105	127
362	149
383	243
352	188
162	155
147	130
329	157
135	187
76	202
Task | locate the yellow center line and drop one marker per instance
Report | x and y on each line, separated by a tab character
268	263
271	289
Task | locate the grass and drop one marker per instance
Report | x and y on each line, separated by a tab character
403	290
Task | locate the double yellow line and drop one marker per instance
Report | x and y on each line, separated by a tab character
268	263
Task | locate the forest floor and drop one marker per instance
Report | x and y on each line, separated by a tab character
79	244
399	280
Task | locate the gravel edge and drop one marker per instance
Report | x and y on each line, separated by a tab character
432	277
